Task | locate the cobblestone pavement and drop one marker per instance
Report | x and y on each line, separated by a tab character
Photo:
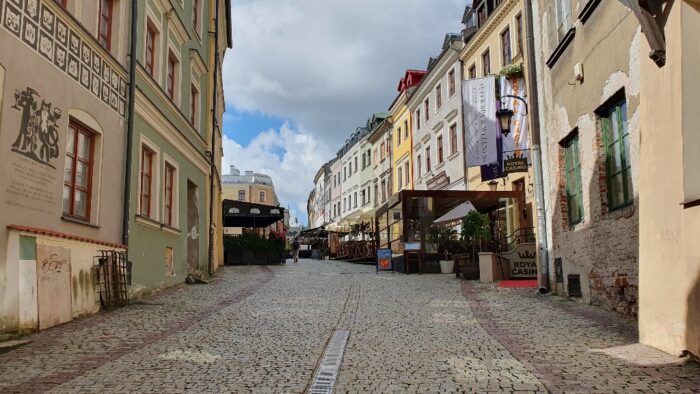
264	329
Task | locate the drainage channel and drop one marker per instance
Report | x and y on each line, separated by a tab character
325	377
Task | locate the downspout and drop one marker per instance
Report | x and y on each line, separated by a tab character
212	165
543	277
130	125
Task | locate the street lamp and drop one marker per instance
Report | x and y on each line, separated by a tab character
505	115
493	185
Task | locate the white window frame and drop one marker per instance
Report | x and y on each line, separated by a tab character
176	191
155	178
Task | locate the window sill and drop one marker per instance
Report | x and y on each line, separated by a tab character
171	230
452	156
620	208
78	221
439	166
563	44
148	222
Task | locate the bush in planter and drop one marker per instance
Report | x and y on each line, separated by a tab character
254	248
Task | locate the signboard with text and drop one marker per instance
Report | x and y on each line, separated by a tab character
517	164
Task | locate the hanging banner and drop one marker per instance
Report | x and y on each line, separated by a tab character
479	97
494	170
516	144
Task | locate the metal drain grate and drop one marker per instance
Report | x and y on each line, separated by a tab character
328	370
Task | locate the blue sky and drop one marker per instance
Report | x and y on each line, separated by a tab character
303	74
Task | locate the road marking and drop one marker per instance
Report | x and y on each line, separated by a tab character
325	377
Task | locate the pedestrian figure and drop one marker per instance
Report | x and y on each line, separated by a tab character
295	249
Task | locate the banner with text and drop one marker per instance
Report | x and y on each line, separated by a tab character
516	143
479	97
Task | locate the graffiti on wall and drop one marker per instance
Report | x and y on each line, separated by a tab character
38	131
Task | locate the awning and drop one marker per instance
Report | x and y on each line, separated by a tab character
457	213
249	215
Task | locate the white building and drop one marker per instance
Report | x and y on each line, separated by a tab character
334	184
381	158
350	171
436	109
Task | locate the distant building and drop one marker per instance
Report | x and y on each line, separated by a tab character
252	187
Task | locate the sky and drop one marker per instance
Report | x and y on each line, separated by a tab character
303	74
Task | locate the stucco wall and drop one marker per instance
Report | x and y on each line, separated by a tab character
603	248
669	272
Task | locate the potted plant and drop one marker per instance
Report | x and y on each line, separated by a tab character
476	228
443	236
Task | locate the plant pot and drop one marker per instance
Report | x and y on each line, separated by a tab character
447	266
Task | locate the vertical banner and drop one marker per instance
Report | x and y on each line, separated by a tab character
479	97
494	170
516	144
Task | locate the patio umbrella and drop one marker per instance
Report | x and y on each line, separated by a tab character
457	213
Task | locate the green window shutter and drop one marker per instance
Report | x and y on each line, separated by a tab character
617	162
574	193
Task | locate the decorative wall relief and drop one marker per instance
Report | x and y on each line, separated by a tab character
47	33
38	132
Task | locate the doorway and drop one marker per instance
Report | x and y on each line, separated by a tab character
192	226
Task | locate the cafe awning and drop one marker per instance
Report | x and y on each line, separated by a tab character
250	215
456	213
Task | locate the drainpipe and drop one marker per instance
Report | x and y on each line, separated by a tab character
543	279
212	164
130	125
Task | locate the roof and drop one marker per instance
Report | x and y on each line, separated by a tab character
250	215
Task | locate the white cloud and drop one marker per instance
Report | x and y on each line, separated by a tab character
326	65
292	173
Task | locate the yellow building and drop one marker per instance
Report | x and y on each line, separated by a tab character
249	187
495	37
402	132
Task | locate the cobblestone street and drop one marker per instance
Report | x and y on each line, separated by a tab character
265	329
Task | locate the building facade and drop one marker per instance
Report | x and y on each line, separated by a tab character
589	89
381	160
402	131
669	189
335	182
351	183
436	108
249	186
63	117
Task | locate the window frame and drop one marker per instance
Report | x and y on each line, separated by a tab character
171	76
438	97
151	34
426	105
194	108
405	129
486	63
451	83
146	211
241	192
262	196
574	183
440	150
506	47
168	194
619	110
427	160
519	33
417	114
78	129
407	175
196	16
399	177
453	139
110	14
419	163
472	71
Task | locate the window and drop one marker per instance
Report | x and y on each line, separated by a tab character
345	173
419	163
195	15
398	137
399	178
354	205
355	163
472	72
77	178
617	156
453	139
519	32
105	24
417	119
486	63
168	194
172	69
451	83
426	105
62	3
563	17
350	168
406	173
574	193
382	149
427	159
439	146
194	98
241	195
405	129
146	180
505	47
150	48
438	97
262	196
